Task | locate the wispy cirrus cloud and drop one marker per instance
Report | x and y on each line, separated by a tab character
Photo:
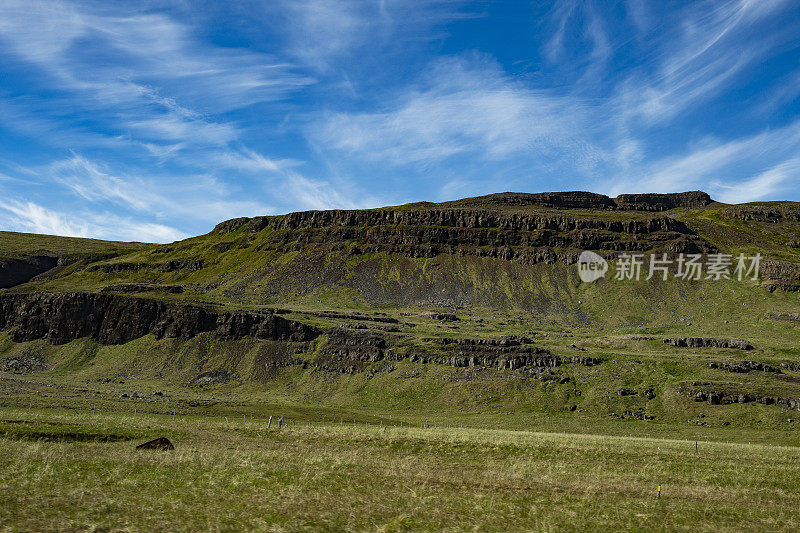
698	58
742	169
463	105
178	114
325	34
34	218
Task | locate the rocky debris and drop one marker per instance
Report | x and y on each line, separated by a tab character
161	443
21	269
222	247
773	285
175	264
792	366
627	392
117	319
635	414
787	316
115	268
441	317
649	394
130	288
208	378
780	275
506	340
707	342
355	315
743	366
23	364
701	392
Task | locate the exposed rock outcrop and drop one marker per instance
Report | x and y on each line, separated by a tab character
706	392
744	366
706	342
661	202
172	266
18	270
143	287
496	226
589	200
352	351
115	319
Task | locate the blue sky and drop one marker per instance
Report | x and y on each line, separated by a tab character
153	121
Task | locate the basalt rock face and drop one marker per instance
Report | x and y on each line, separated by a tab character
113	319
764	213
352	351
491	211
705	342
487	227
18	270
661	202
588	200
143	287
715	395
743	367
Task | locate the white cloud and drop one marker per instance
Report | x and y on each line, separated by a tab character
142	75
33	218
191	199
702	58
321	33
733	169
466	105
251	161
776	180
308	193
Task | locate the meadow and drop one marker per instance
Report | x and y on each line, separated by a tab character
79	471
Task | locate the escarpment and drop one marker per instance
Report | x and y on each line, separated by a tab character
493	226
352	351
18	270
114	319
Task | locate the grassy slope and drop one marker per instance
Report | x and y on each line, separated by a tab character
547	301
13	243
229	475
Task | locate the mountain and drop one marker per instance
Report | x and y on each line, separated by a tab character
473	305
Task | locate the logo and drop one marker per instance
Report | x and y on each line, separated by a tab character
591	266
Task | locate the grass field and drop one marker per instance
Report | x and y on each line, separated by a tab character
62	470
12	243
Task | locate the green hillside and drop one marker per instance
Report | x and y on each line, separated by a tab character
14	243
410	306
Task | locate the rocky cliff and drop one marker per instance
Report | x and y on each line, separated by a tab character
114	319
491	226
17	270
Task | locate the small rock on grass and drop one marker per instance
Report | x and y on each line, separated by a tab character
161	443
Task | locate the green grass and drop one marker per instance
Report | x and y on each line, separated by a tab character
239	475
506	451
13	243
